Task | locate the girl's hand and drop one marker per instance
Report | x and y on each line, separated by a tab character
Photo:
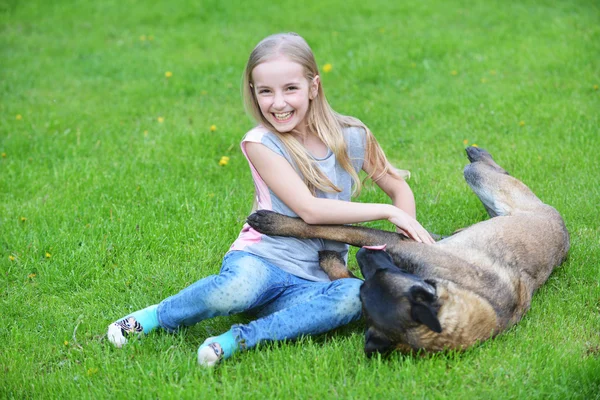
411	227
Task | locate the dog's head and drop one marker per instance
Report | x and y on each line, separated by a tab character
394	302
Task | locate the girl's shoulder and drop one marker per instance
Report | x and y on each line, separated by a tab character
262	135
355	136
257	134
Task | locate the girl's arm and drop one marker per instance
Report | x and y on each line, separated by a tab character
283	180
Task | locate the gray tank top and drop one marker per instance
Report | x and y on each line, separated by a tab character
298	256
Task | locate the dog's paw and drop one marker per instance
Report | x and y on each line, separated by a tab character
477	154
264	221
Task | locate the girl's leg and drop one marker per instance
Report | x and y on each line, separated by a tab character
305	308
244	282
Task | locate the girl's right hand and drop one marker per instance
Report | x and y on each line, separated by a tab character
411	227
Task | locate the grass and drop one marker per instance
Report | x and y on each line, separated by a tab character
104	209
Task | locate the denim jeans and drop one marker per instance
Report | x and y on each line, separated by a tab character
286	306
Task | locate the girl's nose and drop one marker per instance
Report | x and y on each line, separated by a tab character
279	101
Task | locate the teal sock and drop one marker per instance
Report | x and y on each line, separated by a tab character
216	348
147	317
227	342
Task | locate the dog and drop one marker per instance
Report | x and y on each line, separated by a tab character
462	290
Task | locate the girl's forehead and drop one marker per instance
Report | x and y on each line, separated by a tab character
277	70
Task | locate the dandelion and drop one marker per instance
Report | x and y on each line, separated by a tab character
92	371
474	145
23	219
145	133
204	93
48	255
521	123
466	142
143	38
18	117
381	30
454	72
223	161
31	276
213	128
168	74
3	155
66	343
11	258
160	120
327	68
595	87
483	80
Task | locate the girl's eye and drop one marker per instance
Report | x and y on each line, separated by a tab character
263	91
292	88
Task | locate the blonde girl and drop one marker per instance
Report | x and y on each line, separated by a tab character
305	161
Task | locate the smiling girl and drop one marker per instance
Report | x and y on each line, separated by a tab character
305	159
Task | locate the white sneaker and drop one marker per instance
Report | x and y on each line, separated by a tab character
118	331
209	353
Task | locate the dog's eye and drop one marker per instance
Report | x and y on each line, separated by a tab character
431	282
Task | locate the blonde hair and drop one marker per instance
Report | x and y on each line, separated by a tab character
322	120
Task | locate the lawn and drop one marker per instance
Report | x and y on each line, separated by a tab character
115	115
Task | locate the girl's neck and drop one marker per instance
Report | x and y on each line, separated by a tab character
312	144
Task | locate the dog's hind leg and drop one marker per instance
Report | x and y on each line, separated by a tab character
334	265
500	193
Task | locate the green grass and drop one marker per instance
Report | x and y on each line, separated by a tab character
104	210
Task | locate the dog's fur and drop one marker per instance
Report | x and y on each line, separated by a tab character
464	289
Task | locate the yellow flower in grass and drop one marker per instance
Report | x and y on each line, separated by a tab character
466	142
327	68
3	155
31	276
595	87
160	120
521	123
223	161
454	72
474	145
48	255
142	37
11	258
23	219
18	117
168	74
66	343
92	371
213	128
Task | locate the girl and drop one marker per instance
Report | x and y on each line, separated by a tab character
305	159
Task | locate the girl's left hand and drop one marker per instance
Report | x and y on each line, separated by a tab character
411	227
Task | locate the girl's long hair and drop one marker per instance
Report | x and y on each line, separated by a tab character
322	120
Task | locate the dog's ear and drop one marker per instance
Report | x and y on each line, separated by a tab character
376	342
424	308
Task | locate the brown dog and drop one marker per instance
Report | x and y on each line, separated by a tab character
464	289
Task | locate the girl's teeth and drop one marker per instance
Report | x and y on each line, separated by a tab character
283	116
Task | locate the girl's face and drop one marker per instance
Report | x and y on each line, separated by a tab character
283	93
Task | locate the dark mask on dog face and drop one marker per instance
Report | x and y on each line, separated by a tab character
393	301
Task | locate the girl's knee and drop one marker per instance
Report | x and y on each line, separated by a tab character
347	291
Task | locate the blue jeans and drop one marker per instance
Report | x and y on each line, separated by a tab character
286	306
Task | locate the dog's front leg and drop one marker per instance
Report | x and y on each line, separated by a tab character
274	224
333	264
